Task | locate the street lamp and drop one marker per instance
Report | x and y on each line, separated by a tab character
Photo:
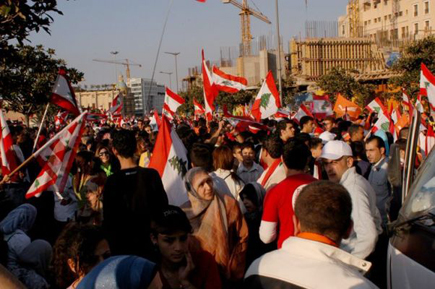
170	78
176	68
278	52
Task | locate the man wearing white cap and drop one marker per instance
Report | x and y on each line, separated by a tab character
338	162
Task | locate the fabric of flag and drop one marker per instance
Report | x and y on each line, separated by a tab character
267	101
385	123
282	113
57	157
406	101
427	85
210	91
7	153
63	94
402	122
376	106
96	117
228	83
117	105
198	110
60	118
171	104
303	111
169	158
395	114
321	107
419	105
342	103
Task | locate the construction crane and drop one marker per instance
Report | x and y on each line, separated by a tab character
245	13
354	19
127	63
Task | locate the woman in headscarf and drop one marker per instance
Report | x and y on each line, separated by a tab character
27	260
121	272
218	225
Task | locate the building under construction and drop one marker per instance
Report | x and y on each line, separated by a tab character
312	58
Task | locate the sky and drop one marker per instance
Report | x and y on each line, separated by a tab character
91	29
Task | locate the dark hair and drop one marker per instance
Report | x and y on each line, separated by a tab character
200	156
124	142
170	220
403	133
274	146
379	142
250	193
223	158
247	144
282	125
329	118
296	155
358	150
315	142
305	119
354	128
324	208
76	242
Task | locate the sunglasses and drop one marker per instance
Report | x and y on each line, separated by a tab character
103	154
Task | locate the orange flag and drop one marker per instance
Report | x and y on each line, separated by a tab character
343	106
402	122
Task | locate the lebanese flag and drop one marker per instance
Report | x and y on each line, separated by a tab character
303	111
267	101
406	101
169	158
96	117
282	113
7	153
197	108
418	104
427	85
155	121
321	106
117	105
63	94
395	114
210	91
172	102
228	83
60	118
57	157
385	123
377	106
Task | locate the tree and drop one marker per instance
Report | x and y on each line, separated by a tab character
27	79
338	80
408	66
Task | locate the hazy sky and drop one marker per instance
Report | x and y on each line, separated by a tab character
93	28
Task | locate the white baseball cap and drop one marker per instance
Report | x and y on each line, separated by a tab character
327	136
335	149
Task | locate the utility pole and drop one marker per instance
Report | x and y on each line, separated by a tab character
170	78
278	62
176	68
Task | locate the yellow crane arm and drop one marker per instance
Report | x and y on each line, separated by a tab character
254	13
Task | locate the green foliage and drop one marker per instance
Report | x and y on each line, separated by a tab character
421	51
26	79
338	80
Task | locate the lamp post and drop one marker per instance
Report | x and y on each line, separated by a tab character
114	53
278	62
176	68
170	78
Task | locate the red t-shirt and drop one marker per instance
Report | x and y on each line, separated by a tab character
278	204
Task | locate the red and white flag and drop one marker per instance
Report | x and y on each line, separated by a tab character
198	110
210	91
385	123
418	104
57	157
117	105
63	94
155	121
430	140
172	102
7	153
427	85
377	106
267	101
228	83
60	118
169	158
406	101
303	111
321	106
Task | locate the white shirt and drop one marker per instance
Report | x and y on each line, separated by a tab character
277	176
250	175
365	215
234	186
310	264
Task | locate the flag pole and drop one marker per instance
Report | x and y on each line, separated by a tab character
23	164
40	127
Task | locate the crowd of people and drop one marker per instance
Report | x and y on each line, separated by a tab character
300	204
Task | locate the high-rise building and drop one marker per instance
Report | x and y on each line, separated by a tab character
390	23
147	95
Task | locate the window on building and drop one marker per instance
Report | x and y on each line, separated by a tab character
403	32
427	25
389	16
370	21
426	7
365	23
415	28
415	10
375	20
401	13
385	18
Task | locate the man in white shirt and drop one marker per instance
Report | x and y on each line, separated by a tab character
249	170
337	160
